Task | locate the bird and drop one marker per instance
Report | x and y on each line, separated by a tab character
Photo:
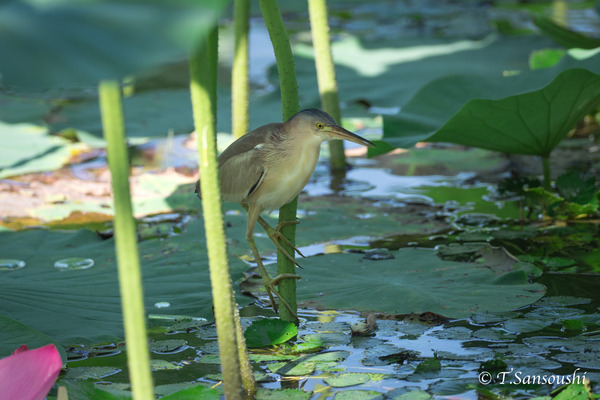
268	167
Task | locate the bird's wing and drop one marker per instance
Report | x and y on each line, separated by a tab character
240	167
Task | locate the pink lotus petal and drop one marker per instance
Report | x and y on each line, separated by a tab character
29	374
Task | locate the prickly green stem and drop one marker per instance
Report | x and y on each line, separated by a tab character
203	85
130	278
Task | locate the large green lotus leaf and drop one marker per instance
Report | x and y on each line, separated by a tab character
15	109
389	73
147	115
58	43
83	305
156	113
528	113
14	334
415	281
409	64
28	148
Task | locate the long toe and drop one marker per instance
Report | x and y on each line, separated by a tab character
279	277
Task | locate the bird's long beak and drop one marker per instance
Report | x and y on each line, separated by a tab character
337	132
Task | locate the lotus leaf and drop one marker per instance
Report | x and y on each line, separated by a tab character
269	332
14	334
527	113
81	43
28	148
83	306
415	281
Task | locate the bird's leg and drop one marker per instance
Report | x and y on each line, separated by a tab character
268	282
275	235
253	215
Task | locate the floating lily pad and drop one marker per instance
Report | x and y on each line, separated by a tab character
306	365
524	325
167	346
269	332
413	395
358	395
283	394
163	365
90	372
347	379
194	392
415	281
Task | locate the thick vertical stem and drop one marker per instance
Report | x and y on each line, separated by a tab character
130	278
290	105
328	90
546	168
203	85
239	73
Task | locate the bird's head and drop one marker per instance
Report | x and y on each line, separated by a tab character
321	125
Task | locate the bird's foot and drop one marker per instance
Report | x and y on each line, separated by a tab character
275	281
268	282
270	288
277	237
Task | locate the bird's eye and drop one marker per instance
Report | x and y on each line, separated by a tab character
320	125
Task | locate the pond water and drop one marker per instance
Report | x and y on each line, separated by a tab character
510	353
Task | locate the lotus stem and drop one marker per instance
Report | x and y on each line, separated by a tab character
239	74
203	85
128	261
546	168
328	89
290	105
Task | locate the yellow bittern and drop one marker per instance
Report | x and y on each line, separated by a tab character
268	167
